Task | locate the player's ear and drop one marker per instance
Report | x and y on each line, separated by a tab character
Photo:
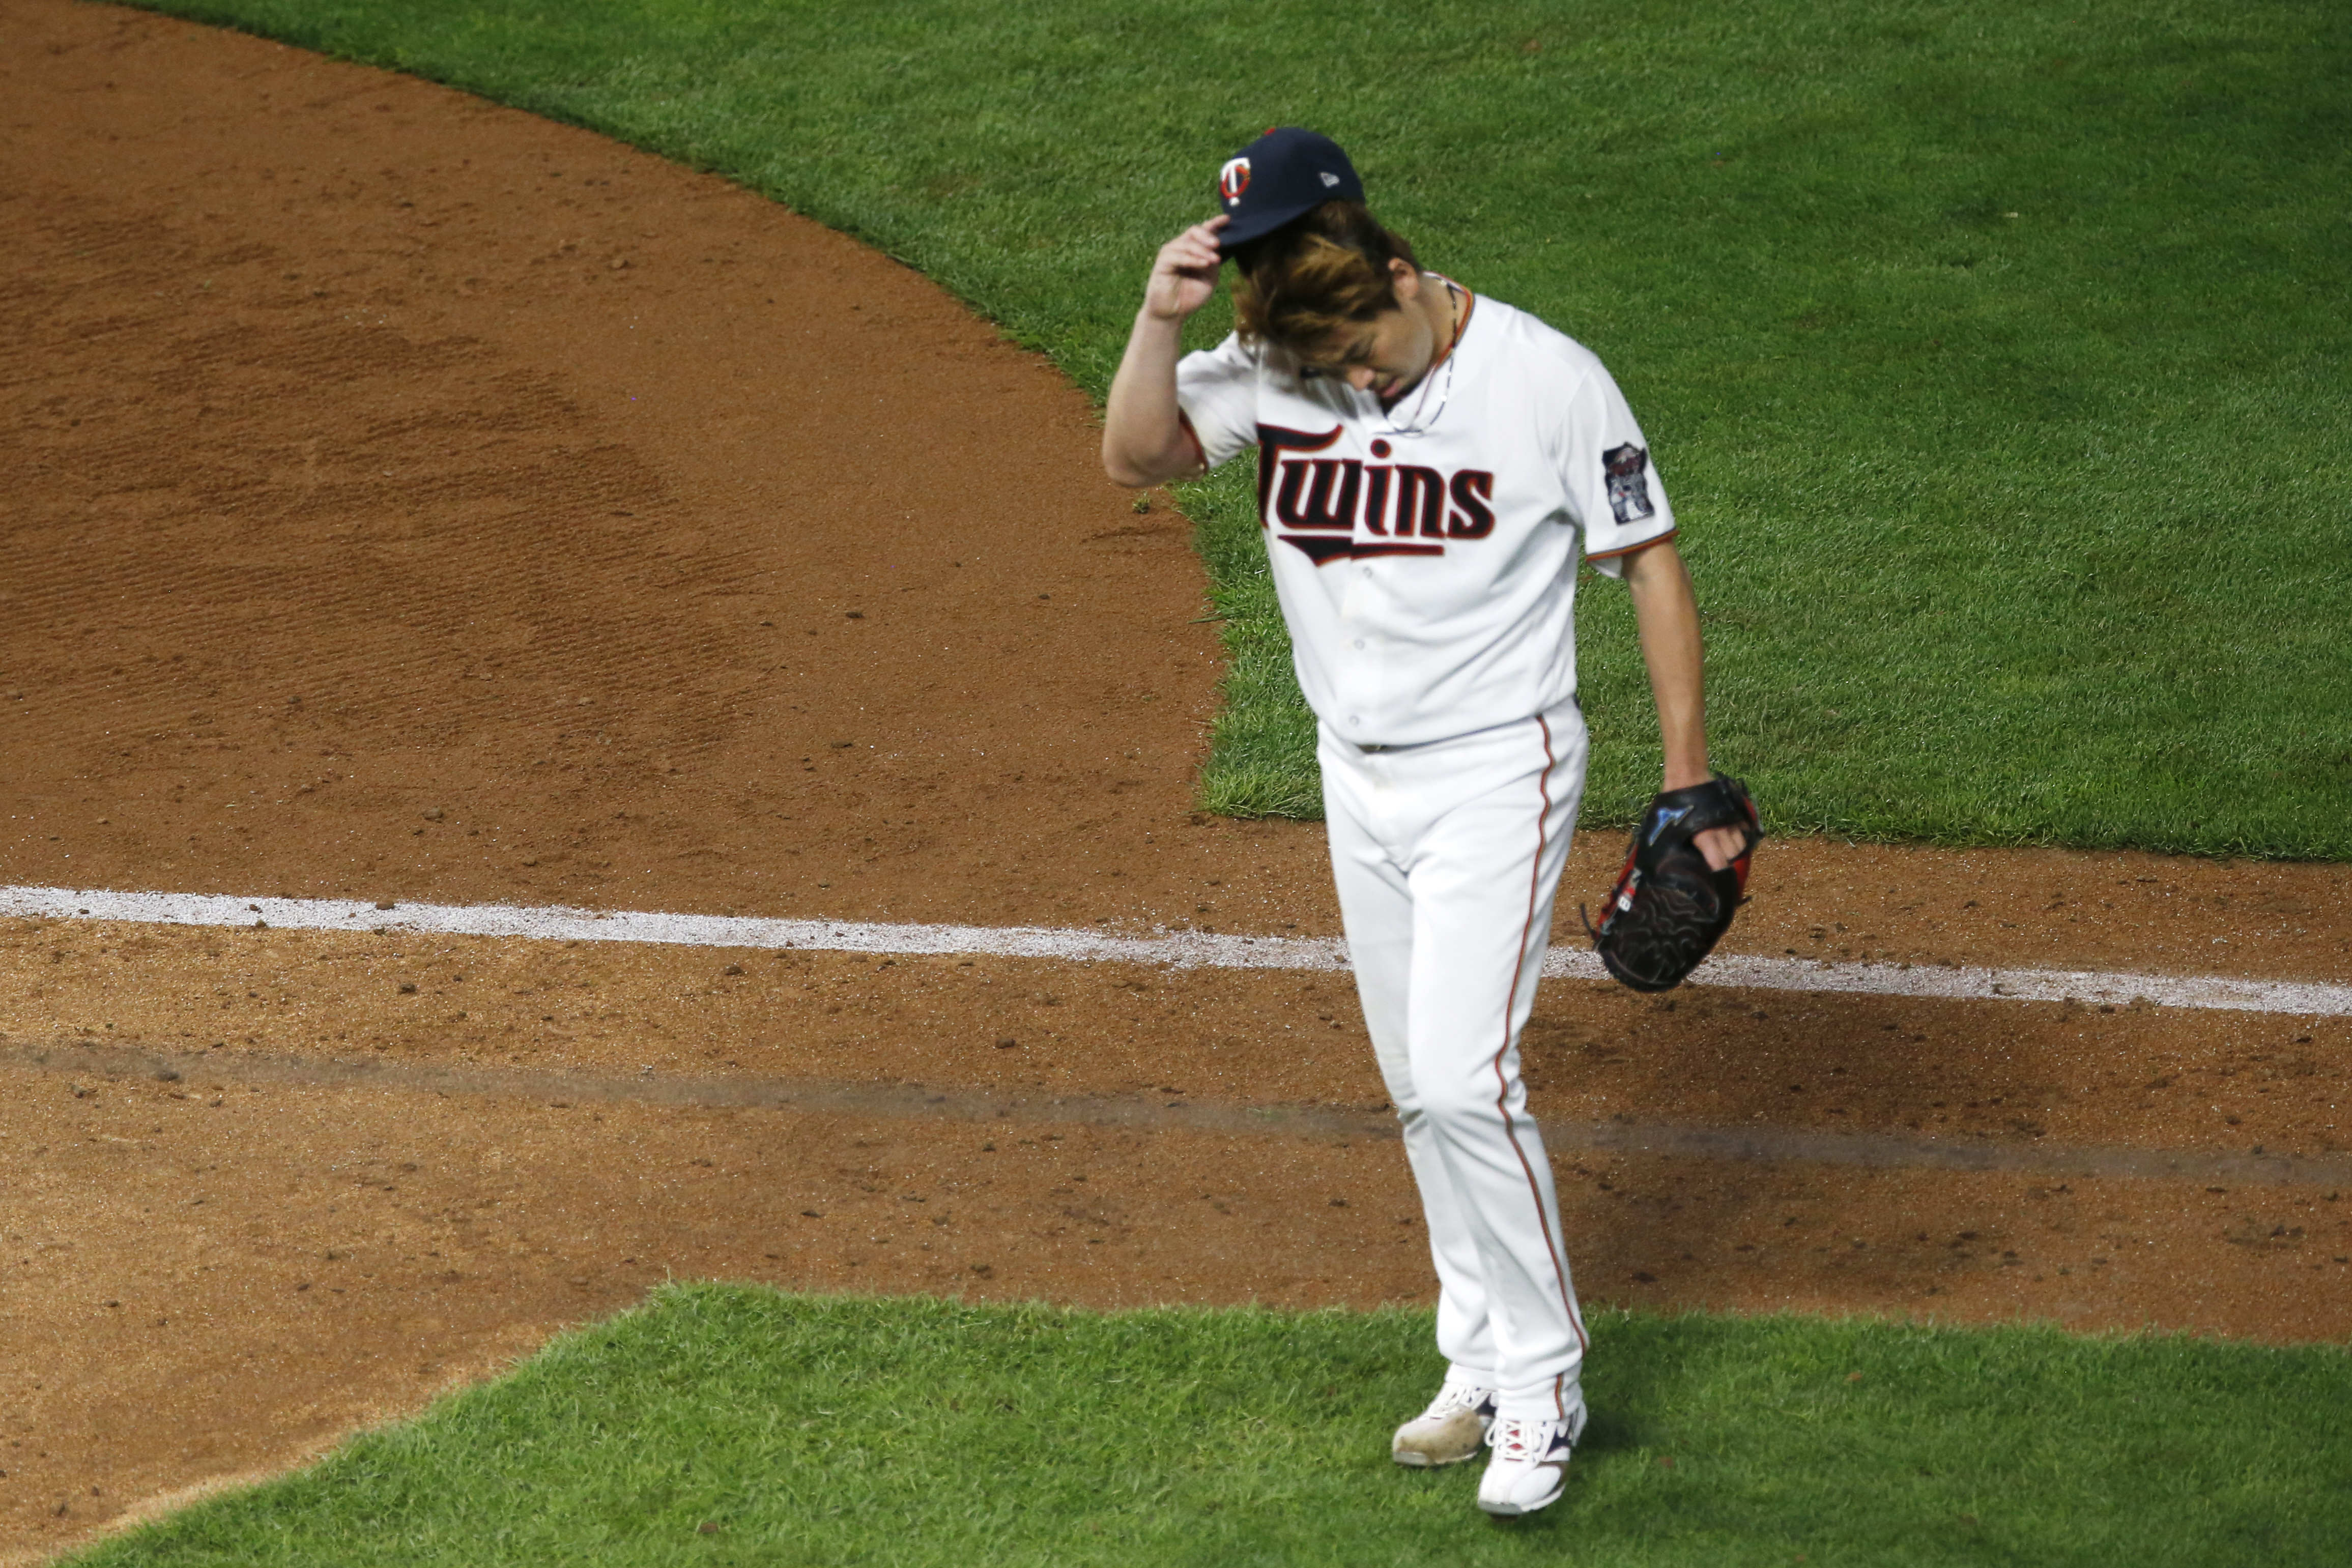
1406	279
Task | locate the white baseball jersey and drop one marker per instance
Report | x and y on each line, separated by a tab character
1425	555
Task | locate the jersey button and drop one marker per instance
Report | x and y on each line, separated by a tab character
1359	644
1355	721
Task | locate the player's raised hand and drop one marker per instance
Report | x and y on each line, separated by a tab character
1185	273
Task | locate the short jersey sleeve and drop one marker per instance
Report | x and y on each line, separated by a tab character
1217	389
1604	466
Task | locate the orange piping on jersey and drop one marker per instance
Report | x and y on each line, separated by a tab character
1503	1086
1200	452
1469	303
1629	549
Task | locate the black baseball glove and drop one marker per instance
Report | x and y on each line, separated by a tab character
1669	906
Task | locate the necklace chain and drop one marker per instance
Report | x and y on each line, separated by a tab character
1415	425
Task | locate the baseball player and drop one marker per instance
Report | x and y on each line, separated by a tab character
1432	465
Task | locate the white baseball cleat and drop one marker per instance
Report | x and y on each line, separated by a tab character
1454	1427
1529	1469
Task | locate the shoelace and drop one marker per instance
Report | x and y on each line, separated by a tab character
1520	1442
1457	1396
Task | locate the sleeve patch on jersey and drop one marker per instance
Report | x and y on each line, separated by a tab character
1629	484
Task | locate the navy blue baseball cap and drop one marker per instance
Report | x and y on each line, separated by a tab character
1278	176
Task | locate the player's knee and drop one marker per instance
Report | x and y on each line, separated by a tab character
1457	1099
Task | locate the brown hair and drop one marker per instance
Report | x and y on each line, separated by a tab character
1322	271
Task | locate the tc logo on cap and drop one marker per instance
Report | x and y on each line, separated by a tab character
1233	179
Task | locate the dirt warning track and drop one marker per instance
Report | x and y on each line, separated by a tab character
417	501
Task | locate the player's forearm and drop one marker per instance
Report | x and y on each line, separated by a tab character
1144	430
1666	611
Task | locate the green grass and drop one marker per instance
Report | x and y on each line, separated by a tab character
832	1431
1997	354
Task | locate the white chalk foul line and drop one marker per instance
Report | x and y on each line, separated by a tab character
1177	949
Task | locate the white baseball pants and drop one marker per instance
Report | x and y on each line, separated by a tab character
1446	856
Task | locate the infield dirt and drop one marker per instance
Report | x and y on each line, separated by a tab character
413	499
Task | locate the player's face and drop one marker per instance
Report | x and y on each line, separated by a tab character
1387	355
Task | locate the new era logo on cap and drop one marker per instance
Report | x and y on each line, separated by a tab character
1278	176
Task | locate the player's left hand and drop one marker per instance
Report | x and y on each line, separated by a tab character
1670	905
1721	846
